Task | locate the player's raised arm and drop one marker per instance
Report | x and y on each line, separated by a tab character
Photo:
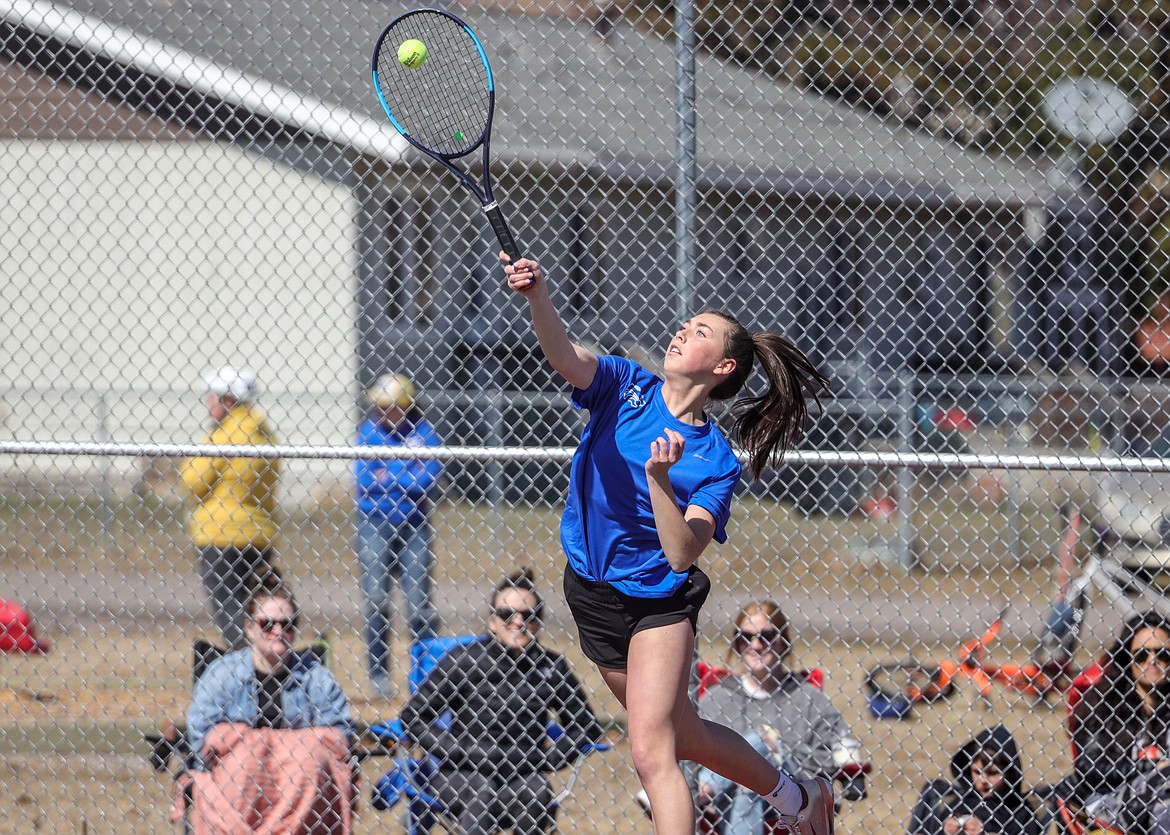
573	362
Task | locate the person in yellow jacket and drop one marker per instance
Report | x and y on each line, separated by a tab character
232	523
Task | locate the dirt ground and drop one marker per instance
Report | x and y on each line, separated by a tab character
74	760
118	595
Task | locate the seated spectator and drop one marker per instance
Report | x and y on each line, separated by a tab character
776	710
986	796
270	732
1121	731
497	697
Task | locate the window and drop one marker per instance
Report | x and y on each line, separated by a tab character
583	273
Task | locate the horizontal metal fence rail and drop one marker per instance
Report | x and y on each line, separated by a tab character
887	460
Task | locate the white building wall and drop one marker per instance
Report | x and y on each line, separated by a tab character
131	269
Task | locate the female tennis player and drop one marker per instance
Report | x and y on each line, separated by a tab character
650	487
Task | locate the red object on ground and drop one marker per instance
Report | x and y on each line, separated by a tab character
956	420
17	633
880	507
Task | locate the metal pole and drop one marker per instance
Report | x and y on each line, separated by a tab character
684	188
106	500
906	478
495	491
684	206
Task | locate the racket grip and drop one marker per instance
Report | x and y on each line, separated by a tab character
503	233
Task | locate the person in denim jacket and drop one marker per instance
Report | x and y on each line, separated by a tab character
266	684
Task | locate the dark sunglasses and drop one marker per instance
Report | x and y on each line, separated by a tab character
768	636
269	626
527	615
1147	654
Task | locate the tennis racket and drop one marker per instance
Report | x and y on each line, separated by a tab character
444	106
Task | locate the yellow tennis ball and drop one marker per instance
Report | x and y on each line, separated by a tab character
412	53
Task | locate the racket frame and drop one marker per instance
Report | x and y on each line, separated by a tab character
491	206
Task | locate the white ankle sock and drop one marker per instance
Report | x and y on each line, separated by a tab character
786	798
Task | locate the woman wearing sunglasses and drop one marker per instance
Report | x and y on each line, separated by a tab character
774	708
269	730
496	698
1121	730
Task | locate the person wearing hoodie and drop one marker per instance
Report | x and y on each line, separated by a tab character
986	797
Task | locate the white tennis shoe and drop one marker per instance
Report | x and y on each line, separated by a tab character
816	816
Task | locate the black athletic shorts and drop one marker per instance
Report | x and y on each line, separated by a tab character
607	619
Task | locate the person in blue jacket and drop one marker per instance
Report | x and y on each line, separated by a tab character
393	526
650	486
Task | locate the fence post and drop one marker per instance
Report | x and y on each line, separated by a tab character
684	195
106	505
906	476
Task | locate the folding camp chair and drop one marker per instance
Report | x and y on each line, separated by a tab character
170	741
409	778
170	745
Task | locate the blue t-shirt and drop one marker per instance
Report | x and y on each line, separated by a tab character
607	530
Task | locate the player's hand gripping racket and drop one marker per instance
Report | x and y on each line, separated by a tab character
442	103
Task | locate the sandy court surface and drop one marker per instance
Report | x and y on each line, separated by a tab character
123	620
74	756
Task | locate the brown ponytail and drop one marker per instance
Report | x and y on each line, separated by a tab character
767	425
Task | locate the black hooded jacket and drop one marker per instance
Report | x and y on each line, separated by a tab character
1006	812
487	710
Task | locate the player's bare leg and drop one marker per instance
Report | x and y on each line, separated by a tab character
653	690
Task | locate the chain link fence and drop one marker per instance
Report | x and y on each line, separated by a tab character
960	210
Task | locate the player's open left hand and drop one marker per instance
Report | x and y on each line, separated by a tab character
523	276
665	453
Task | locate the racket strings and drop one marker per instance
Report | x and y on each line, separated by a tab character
443	104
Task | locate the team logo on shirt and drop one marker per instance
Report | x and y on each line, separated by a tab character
633	396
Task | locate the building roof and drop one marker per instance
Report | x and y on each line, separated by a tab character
36	107
564	98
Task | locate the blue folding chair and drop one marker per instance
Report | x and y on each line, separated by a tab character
409	778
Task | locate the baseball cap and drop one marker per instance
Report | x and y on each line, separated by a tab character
392	390
17	633
229	381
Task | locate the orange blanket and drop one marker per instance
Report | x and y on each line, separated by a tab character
260	780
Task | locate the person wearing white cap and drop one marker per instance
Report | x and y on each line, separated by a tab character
393	527
232	522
